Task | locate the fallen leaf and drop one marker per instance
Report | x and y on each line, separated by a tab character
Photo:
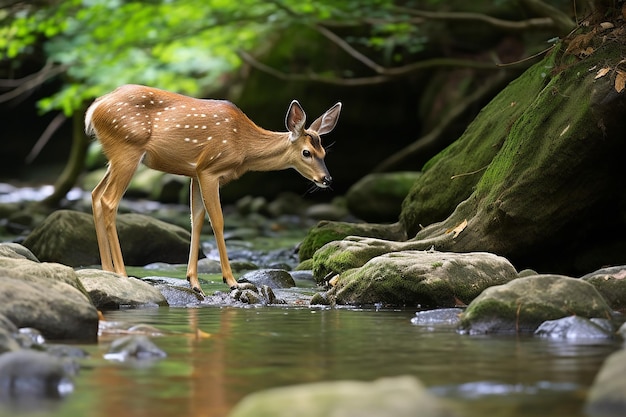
602	72
457	229
620	81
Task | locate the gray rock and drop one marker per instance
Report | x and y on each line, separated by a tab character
606	397
16	251
27	375
398	397
48	297
112	291
378	197
69	237
426	278
523	304
572	328
273	278
611	283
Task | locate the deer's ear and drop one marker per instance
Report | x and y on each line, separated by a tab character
327	121
295	120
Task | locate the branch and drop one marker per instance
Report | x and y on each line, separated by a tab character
508	25
350	82
562	22
436	133
32	81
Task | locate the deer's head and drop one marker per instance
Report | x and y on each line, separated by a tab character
307	150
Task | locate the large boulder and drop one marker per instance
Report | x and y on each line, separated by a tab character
426	278
523	304
399	397
611	283
69	237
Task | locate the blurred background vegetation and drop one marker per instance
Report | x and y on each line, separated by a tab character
411	74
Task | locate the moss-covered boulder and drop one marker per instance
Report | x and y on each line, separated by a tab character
378	197
535	178
426	278
327	231
523	304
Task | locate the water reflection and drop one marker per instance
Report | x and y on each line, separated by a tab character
250	349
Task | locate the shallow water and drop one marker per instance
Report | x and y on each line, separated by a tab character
250	349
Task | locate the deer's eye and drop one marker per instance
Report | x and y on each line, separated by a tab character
306	153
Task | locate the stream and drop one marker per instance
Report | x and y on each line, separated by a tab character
251	349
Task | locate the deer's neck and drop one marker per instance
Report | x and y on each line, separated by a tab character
266	150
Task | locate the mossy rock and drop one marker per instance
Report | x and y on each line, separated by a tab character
523	304
327	231
378	197
425	278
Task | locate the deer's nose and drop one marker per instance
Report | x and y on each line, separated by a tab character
327	180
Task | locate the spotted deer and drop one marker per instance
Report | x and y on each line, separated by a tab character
210	141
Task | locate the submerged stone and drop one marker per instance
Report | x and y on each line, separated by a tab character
402	396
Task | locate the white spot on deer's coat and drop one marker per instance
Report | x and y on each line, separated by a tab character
187	139
209	138
217	123
235	130
224	141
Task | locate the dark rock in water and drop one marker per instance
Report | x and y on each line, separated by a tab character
134	347
27	375
573	327
179	296
273	278
524	303
606	397
69	237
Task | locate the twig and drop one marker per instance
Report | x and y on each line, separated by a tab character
54	125
33	81
469	173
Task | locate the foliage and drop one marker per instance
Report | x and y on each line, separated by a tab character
188	46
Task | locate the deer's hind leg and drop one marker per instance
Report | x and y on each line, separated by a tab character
106	197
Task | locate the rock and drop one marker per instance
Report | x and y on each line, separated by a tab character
326	211
611	283
251	294
326	232
16	251
134	347
8	342
177	296
606	396
377	198
425	278
524	303
26	375
48	297
109	290
69	237
273	278
398	397
573	328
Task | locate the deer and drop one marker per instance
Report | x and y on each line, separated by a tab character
210	141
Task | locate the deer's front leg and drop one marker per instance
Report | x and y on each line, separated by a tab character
209	186
197	220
